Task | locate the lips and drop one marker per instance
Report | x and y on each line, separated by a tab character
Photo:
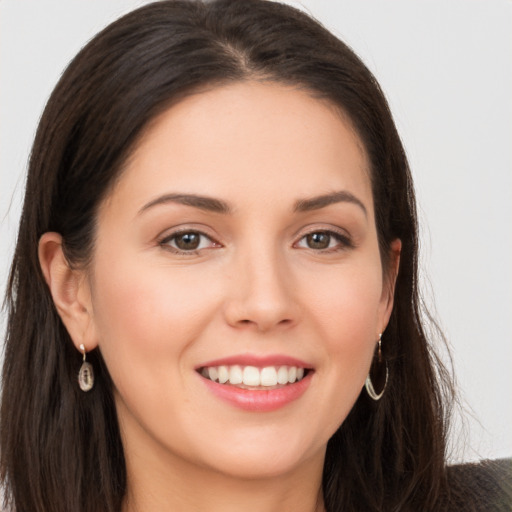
257	383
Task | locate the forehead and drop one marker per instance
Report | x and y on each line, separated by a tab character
248	139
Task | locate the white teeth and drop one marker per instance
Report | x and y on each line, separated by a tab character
213	374
252	376
268	376
223	374
282	375
235	375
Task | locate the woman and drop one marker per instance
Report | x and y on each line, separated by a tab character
219	239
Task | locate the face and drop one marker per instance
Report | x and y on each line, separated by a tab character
237	252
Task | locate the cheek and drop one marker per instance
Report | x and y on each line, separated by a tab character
148	316
350	303
346	315
148	312
342	316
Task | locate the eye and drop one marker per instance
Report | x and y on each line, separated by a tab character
324	241
188	242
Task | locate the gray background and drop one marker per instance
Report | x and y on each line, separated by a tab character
446	67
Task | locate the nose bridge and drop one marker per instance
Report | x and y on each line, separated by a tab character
262	287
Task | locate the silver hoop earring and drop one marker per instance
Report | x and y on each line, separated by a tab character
86	373
368	383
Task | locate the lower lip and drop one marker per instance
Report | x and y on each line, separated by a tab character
259	400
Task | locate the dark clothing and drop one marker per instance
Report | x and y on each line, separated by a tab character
485	486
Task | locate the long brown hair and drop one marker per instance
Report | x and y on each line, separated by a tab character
61	449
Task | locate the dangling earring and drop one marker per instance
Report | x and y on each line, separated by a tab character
86	374
368	383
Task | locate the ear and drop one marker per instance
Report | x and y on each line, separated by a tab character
388	287
70	291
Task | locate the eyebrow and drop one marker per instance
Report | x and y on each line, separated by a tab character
318	202
212	204
202	202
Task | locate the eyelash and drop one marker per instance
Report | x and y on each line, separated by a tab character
165	242
343	241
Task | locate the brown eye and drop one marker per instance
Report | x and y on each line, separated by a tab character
187	241
319	240
325	241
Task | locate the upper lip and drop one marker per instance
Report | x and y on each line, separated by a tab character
260	361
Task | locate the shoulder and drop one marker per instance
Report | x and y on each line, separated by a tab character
481	486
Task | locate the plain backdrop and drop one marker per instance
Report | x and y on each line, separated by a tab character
446	68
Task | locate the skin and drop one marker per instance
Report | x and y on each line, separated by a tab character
254	286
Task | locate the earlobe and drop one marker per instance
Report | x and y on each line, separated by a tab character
69	290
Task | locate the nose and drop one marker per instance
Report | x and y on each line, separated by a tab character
262	293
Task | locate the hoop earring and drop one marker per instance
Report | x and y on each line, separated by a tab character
368	383
86	373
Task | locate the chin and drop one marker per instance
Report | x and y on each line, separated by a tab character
259	466
263	456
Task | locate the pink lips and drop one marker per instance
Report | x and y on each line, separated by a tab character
260	400
259	361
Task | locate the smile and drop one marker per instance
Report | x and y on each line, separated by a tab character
252	377
257	384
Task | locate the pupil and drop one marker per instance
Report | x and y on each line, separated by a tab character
318	240
188	241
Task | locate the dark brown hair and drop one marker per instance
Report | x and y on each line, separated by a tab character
60	448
